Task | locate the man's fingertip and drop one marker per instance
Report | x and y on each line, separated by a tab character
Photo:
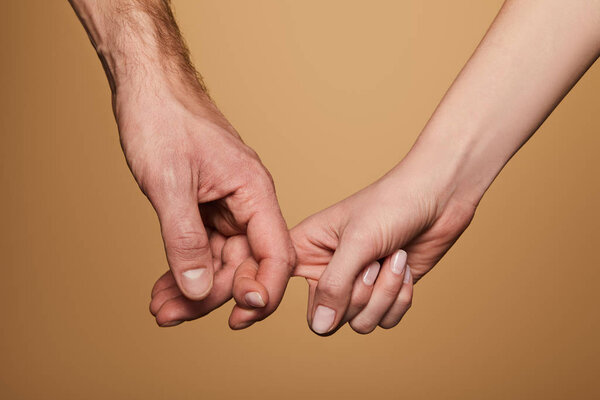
196	283
254	299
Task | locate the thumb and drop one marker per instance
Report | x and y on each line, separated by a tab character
186	244
334	289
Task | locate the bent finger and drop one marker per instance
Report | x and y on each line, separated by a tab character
272	248
166	280
385	292
334	289
170	309
362	291
247	291
402	303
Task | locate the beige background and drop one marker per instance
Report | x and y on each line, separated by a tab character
331	94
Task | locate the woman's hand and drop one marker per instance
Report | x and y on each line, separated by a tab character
381	293
531	56
405	209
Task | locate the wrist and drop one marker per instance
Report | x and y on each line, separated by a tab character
167	97
139	44
456	166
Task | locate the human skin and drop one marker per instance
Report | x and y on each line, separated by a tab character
186	157
532	55
232	258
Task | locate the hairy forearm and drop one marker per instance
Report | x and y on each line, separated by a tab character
138	42
533	54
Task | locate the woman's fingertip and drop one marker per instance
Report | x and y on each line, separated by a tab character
371	273
398	262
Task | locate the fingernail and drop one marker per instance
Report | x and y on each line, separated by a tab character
254	299
196	281
170	324
323	319
371	273
407	276
242	325
399	262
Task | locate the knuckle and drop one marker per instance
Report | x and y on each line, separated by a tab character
330	288
187	246
267	179
362	326
250	155
256	172
169	312
359	301
390	291
287	260
405	300
236	249
389	324
285	257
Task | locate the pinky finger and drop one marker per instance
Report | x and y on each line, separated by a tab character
403	302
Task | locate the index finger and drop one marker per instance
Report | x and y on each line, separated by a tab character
272	248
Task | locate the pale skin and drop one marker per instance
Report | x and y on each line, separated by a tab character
532	55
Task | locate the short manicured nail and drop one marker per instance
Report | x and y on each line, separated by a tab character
398	262
196	281
371	273
407	275
323	319
170	323
254	299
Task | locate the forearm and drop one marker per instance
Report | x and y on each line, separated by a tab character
139	43
533	54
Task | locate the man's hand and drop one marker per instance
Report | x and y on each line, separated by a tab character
533	53
197	172
185	156
170	307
